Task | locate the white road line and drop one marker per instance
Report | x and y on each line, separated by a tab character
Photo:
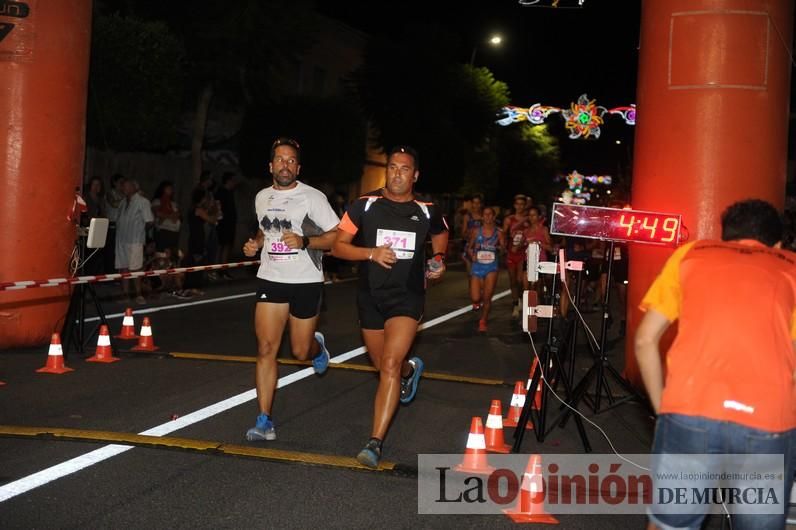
146	311
174	306
454	314
431	323
25	484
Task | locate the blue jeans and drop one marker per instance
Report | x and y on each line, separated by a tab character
679	434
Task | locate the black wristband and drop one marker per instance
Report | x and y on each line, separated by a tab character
305	242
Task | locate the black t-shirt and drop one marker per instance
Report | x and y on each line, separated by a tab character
405	225
227	200
196	234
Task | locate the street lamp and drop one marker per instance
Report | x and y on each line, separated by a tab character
494	40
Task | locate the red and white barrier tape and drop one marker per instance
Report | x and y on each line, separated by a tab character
54	282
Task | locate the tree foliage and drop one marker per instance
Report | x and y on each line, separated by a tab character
135	84
414	92
244	48
528	160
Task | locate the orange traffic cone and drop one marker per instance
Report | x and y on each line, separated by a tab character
103	353
475	454
128	326
145	341
537	396
530	374
530	507
515	410
494	430
55	358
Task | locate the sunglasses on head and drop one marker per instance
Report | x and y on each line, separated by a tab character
286	141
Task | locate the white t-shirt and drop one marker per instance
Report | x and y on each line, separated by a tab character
133	218
302	210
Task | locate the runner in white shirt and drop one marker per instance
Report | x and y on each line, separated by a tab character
296	226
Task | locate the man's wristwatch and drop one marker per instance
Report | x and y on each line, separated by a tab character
305	242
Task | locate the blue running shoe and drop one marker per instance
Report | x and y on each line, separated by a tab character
321	361
370	454
262	430
409	385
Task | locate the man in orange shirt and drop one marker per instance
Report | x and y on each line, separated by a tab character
730	383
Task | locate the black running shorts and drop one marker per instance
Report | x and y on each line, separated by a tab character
304	298
374	310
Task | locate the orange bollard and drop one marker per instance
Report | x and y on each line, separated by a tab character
515	410
495	442
145	341
475	454
530	507
55	358
128	326
103	353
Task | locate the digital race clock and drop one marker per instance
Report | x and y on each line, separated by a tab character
616	224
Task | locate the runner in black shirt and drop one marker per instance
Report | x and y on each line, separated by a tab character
387	229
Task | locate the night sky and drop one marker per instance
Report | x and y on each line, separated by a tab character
548	56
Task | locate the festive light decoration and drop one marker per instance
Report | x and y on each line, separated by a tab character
577	193
583	118
628	113
575	179
552	3
537	114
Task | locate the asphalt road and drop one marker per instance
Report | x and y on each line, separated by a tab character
167	487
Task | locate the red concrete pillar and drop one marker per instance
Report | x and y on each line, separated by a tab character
44	58
713	96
